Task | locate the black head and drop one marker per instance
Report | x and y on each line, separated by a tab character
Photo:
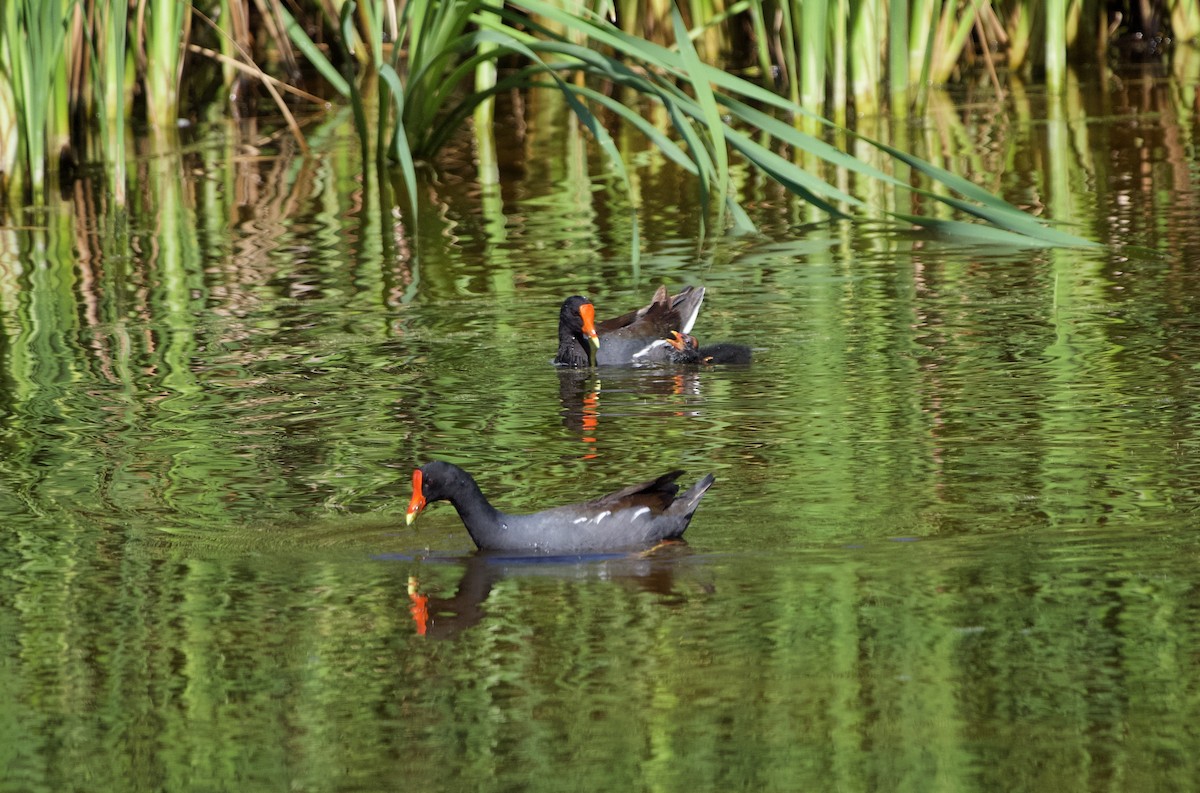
577	337
572	314
684	348
433	481
726	353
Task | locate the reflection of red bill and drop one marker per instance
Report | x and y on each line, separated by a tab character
419	608
591	419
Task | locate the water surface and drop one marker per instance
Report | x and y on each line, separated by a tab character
951	545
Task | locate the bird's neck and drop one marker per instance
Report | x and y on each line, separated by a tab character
477	514
572	349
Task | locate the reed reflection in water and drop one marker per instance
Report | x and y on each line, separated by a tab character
951	543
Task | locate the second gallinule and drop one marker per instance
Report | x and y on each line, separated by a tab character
685	349
633	338
638	516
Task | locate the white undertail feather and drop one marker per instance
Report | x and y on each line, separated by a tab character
691	320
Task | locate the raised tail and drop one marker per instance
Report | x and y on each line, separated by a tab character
685	505
691	497
687	303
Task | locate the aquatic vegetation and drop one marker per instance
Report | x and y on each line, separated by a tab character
73	75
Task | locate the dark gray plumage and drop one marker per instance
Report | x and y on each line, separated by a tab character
638	516
634	338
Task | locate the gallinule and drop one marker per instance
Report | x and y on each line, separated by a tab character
636	337
637	517
685	349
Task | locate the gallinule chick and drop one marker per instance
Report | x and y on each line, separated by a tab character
639	516
633	338
685	349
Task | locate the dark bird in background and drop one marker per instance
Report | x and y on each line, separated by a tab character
638	337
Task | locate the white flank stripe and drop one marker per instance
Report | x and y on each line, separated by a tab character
642	353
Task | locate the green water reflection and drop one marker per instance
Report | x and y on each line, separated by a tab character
1061	662
951	545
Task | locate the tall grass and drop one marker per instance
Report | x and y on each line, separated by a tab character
1185	20
415	72
30	58
161	32
708	108
1056	45
108	62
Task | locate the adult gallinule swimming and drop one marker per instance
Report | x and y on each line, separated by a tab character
637	517
633	338
686	349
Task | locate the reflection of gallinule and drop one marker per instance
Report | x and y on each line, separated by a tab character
685	349
637	517
653	572
636	337
579	394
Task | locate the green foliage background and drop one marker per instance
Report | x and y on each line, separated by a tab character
73	75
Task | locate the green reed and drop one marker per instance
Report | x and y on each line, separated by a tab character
9	155
413	73
32	33
1056	40
908	45
163	36
812	29
111	90
1185	20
